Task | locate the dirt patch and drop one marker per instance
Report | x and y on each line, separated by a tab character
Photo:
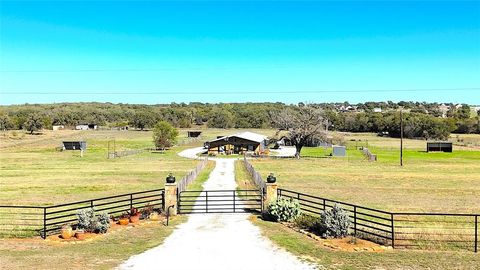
21	244
351	244
114	228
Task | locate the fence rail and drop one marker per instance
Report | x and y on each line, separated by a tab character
124	153
400	230
24	221
220	201
191	176
257	178
369	223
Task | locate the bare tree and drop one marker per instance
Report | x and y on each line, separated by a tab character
302	123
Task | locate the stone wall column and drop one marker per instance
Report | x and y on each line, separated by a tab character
171	198
270	194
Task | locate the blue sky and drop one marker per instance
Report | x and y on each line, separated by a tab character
161	52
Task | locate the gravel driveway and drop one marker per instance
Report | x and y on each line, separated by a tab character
216	241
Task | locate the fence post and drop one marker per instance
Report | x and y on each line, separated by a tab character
323	204
131	201
91	203
233	201
476	233
271	193
262	194
163	198
355	220
206	201
171	197
393	231
44	236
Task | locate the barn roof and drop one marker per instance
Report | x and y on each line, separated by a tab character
250	136
247	135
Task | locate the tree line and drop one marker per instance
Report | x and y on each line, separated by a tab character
421	120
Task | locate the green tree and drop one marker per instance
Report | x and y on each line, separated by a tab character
164	135
5	122
463	112
221	118
34	122
143	119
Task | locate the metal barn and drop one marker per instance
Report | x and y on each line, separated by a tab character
440	147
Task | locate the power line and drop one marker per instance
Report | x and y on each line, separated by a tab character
140	69
232	92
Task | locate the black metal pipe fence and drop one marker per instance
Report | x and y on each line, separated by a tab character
400	230
219	201
369	223
25	221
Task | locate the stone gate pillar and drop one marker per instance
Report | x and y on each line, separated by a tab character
171	198
270	194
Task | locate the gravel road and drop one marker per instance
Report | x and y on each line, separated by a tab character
216	241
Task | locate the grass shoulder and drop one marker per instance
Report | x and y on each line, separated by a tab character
312	251
106	252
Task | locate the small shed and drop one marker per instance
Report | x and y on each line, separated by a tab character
440	147
58	127
339	151
193	134
86	127
75	145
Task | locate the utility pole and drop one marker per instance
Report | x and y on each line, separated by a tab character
401	137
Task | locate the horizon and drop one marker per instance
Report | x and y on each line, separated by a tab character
224	52
233	103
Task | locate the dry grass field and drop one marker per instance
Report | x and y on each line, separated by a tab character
32	172
435	182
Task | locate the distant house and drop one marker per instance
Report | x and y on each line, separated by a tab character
443	109
348	108
86	127
58	127
476	109
238	143
377	110
284	141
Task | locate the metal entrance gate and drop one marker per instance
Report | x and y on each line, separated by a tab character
220	201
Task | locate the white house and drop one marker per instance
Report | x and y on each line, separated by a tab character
443	109
58	127
377	110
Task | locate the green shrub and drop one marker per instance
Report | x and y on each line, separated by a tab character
91	222
86	219
102	223
334	223
307	222
283	210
